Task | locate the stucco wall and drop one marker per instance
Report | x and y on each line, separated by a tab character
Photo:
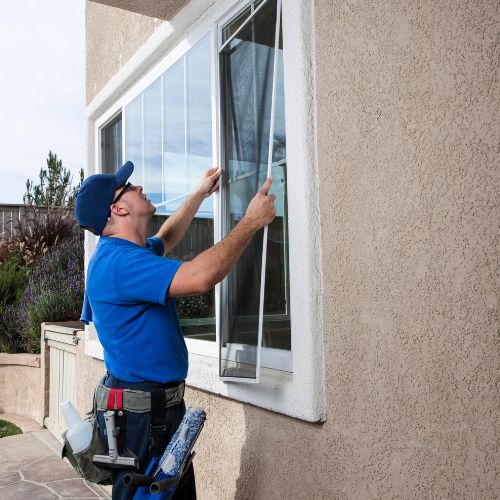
408	149
21	385
408	155
112	37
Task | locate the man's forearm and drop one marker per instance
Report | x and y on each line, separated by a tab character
216	262
175	227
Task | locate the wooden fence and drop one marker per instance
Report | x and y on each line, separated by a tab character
9	214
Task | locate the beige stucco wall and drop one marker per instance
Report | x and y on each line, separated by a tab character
112	37
408	162
21	385
408	148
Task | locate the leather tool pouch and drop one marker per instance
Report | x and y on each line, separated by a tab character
82	462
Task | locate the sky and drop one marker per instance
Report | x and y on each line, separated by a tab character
42	90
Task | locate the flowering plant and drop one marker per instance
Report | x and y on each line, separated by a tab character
54	293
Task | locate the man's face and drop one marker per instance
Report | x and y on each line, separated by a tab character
135	201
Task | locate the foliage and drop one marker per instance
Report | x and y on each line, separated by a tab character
54	189
198	306
41	261
12	280
40	230
54	292
10	340
8	429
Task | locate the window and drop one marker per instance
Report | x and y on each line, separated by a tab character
168	137
293	302
254	146
111	145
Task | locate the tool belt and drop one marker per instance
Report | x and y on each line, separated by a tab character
137	401
105	399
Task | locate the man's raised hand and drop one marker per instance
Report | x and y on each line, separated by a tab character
261	210
209	182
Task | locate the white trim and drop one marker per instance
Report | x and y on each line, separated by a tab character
300	394
251	15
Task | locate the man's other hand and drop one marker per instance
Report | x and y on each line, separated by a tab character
209	182
261	210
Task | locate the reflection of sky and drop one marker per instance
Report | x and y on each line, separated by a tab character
182	175
168	172
133	137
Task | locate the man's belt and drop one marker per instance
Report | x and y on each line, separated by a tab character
108	398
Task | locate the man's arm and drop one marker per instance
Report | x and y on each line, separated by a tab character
210	267
175	227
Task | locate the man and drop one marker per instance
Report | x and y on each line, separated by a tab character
128	297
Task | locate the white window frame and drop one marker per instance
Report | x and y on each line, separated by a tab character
299	393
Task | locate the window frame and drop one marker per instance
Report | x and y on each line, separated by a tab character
301	393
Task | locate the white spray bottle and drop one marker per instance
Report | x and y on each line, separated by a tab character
79	433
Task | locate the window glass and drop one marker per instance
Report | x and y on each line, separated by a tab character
133	138
233	26
199	117
152	139
174	139
168	136
111	145
246	80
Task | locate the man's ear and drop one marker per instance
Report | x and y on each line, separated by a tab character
119	209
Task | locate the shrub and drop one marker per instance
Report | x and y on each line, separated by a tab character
199	306
10	340
39	230
54	292
13	279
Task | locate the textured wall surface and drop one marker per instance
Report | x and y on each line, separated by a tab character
112	37
408	160
408	146
21	390
161	9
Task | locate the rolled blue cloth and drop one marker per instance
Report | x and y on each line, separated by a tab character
182	442
169	465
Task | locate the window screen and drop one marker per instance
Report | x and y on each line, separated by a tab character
247	62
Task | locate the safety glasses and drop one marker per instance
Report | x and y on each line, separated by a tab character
127	187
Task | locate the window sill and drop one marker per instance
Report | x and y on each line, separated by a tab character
278	391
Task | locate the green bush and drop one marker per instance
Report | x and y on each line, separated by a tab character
10	340
54	292
199	306
13	278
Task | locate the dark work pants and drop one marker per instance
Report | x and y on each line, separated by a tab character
138	440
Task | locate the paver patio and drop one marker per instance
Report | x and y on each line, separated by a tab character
31	467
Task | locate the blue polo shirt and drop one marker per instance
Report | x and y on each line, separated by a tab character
125	299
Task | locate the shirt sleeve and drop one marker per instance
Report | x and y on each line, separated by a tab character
142	276
156	245
86	316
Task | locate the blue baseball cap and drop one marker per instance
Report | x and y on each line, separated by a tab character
95	196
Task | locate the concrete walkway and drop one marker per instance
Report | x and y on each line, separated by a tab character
31	467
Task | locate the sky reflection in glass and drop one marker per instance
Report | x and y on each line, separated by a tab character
170	164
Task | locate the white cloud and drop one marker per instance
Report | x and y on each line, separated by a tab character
42	89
